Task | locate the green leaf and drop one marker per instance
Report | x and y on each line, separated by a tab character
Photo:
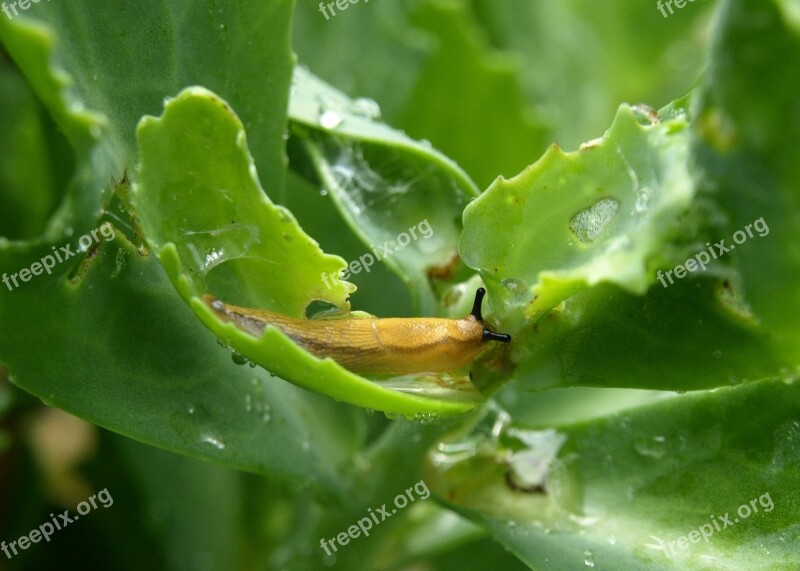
600	214
389	188
110	72
466	82
27	179
685	337
203	211
747	154
84	338
434	75
385	72
615	491
577	63
185	395
588	287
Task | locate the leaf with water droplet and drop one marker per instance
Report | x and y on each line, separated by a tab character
400	197
240	247
612	492
568	211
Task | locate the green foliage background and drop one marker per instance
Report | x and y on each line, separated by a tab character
246	148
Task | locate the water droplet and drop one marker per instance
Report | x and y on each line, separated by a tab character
323	192
330	119
221	342
213	258
717	354
588	558
642	198
588	224
216	443
449	453
365	107
256	401
645	114
238	358
787	376
430	418
514	286
190	409
653	447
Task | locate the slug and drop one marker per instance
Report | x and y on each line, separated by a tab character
376	346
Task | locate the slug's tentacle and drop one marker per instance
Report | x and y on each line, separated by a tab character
488	334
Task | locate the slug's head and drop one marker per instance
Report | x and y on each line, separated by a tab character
488	334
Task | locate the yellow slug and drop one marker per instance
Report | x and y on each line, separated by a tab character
377	346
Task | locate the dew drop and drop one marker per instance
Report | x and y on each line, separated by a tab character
588	224
642	198
208	439
645	114
330	119
588	558
367	108
653	447
514	286
238	358
213	258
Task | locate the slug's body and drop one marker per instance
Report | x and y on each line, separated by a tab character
377	346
